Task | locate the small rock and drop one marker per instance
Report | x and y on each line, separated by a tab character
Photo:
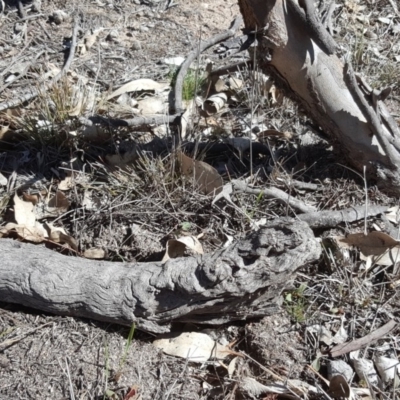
59	16
177	61
19	27
136	45
144	28
339	367
36	5
113	35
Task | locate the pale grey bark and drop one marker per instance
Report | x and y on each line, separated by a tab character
295	48
242	281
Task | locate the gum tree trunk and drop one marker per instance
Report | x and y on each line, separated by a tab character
298	51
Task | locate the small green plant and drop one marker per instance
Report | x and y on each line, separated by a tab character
108	393
259	198
191	84
296	303
126	350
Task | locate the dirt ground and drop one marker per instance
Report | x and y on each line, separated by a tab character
56	357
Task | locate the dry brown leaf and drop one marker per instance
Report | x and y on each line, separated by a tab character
58	235
3	131
35	234
235	83
152	105
374	243
387	258
59	201
67	183
205	176
338	387
176	247
31	198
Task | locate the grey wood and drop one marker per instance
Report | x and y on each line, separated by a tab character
244	280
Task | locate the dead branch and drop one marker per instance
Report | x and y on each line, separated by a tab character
239	282
275	193
295	48
137	121
330	219
194	54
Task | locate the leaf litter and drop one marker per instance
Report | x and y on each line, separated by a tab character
137	202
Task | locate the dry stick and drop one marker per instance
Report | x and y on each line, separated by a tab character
21	10
327	219
232	68
192	56
274	193
357	344
64	70
10	342
138	121
305	11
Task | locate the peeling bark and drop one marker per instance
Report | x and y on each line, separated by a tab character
242	281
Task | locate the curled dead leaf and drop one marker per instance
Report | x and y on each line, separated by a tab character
215	103
177	247
139	85
206	177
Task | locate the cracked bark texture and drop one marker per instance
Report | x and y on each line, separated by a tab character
294	50
242	281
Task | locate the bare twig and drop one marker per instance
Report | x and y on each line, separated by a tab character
275	193
35	92
138	121
192	56
345	348
21	10
232	68
327	219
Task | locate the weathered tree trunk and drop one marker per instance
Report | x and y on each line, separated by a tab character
300	53
244	280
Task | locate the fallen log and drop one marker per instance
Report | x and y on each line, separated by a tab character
242	281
